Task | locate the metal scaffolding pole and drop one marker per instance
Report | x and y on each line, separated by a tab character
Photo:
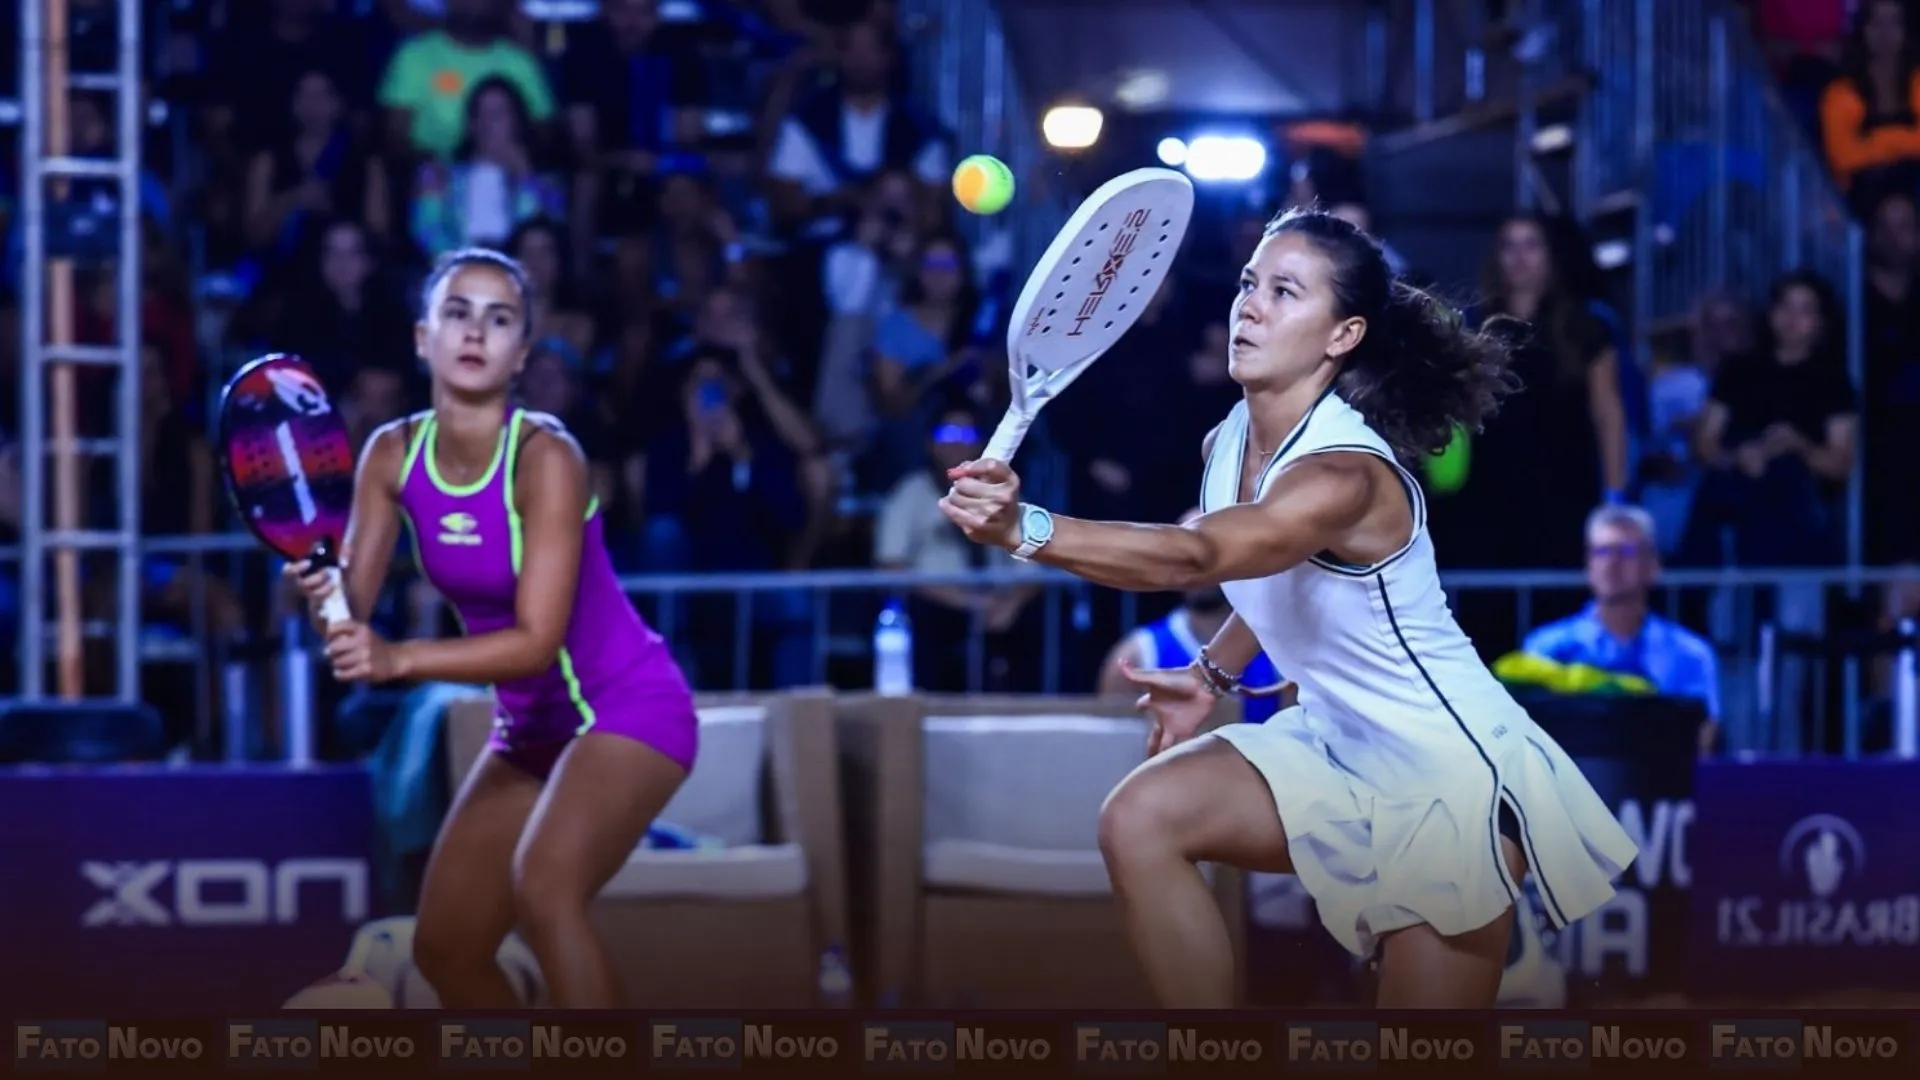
50	357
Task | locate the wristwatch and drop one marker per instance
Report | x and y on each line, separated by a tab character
1036	528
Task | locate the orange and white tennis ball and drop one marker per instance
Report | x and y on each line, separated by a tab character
983	184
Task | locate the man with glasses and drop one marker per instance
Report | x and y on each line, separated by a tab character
1617	632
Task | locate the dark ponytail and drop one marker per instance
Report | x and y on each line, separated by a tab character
1419	371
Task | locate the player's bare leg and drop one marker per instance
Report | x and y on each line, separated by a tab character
1202	802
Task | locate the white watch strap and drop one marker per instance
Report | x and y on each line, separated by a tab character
1028	547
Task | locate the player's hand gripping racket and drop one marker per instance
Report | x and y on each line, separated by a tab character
289	466
1089	289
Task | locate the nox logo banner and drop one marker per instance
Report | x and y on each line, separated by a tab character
221	892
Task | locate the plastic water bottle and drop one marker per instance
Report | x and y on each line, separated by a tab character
893	651
836	979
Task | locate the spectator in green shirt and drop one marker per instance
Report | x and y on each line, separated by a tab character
426	85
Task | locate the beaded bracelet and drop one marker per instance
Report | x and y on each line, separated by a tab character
1216	678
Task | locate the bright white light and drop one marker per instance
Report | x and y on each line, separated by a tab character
1173	152
1072	127
1225	158
1552	139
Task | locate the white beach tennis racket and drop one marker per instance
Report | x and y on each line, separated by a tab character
1089	289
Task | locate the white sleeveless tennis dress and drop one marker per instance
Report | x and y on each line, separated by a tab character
1391	773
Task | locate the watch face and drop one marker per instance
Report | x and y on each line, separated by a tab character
1038	524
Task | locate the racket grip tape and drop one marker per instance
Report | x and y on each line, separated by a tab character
333	610
1007	437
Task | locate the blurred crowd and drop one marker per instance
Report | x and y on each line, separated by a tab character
759	315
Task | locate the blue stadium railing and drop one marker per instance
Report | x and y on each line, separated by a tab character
1746	613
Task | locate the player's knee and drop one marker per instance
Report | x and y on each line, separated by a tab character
544	898
1142	818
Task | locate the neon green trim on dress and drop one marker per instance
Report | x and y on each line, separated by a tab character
429	440
516	531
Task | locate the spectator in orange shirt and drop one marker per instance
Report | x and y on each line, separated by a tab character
1870	115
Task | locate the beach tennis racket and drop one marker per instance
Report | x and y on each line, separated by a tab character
289	465
1089	289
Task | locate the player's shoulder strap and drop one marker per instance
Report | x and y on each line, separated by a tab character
410	431
1329	423
1333	427
533	423
413	428
1316	427
526	425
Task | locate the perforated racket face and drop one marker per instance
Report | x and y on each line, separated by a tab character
1101	270
286	455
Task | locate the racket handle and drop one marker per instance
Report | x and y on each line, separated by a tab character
1006	438
333	610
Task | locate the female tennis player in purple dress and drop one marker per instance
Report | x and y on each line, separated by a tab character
596	728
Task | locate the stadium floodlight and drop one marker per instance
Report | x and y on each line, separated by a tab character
1072	127
1225	158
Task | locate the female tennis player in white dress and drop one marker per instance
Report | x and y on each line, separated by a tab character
1407	789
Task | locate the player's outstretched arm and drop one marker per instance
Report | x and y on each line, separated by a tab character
1311	507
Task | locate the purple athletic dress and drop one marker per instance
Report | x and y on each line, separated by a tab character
613	675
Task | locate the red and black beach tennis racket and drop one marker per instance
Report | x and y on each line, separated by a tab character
289	465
